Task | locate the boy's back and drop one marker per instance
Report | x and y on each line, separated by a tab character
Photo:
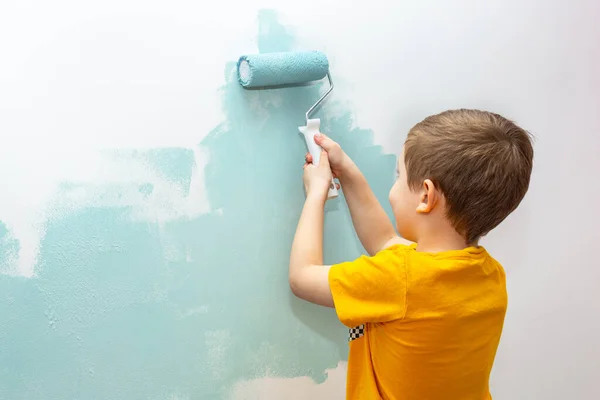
445	312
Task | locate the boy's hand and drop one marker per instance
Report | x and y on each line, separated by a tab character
337	158
317	180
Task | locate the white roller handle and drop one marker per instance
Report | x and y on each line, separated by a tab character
309	131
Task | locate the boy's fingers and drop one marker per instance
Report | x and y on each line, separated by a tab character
308	157
322	140
324	159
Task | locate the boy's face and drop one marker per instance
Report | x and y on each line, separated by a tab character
404	203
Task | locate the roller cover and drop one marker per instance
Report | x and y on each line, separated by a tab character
272	69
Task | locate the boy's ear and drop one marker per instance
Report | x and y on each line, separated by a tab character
428	197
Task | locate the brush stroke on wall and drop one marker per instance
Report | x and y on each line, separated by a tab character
171	281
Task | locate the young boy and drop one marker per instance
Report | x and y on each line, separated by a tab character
425	317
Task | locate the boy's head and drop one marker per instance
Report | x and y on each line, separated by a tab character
465	170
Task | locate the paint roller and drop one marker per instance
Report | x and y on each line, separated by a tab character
285	69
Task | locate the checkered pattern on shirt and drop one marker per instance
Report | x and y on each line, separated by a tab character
357	332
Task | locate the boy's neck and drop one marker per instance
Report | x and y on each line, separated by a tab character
439	239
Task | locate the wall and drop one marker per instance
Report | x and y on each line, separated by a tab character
149	202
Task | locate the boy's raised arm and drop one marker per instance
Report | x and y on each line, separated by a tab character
371	223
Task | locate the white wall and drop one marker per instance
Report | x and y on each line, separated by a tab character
536	62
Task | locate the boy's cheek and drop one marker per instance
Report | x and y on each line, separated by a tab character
393	195
395	202
401	207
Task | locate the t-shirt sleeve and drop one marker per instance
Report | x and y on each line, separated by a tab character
370	289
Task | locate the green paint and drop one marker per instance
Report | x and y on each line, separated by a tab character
173	164
113	316
146	189
9	249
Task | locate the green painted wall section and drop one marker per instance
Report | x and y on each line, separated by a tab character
9	247
124	309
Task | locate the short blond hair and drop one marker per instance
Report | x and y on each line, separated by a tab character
480	161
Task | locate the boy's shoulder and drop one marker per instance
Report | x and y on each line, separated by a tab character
442	263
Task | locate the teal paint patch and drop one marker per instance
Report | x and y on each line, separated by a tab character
9	249
111	315
174	164
146	189
3	230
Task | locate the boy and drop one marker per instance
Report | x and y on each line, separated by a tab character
425	317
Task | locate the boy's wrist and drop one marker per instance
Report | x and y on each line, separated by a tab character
316	197
346	167
346	164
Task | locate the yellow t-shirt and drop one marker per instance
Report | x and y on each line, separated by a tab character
424	326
